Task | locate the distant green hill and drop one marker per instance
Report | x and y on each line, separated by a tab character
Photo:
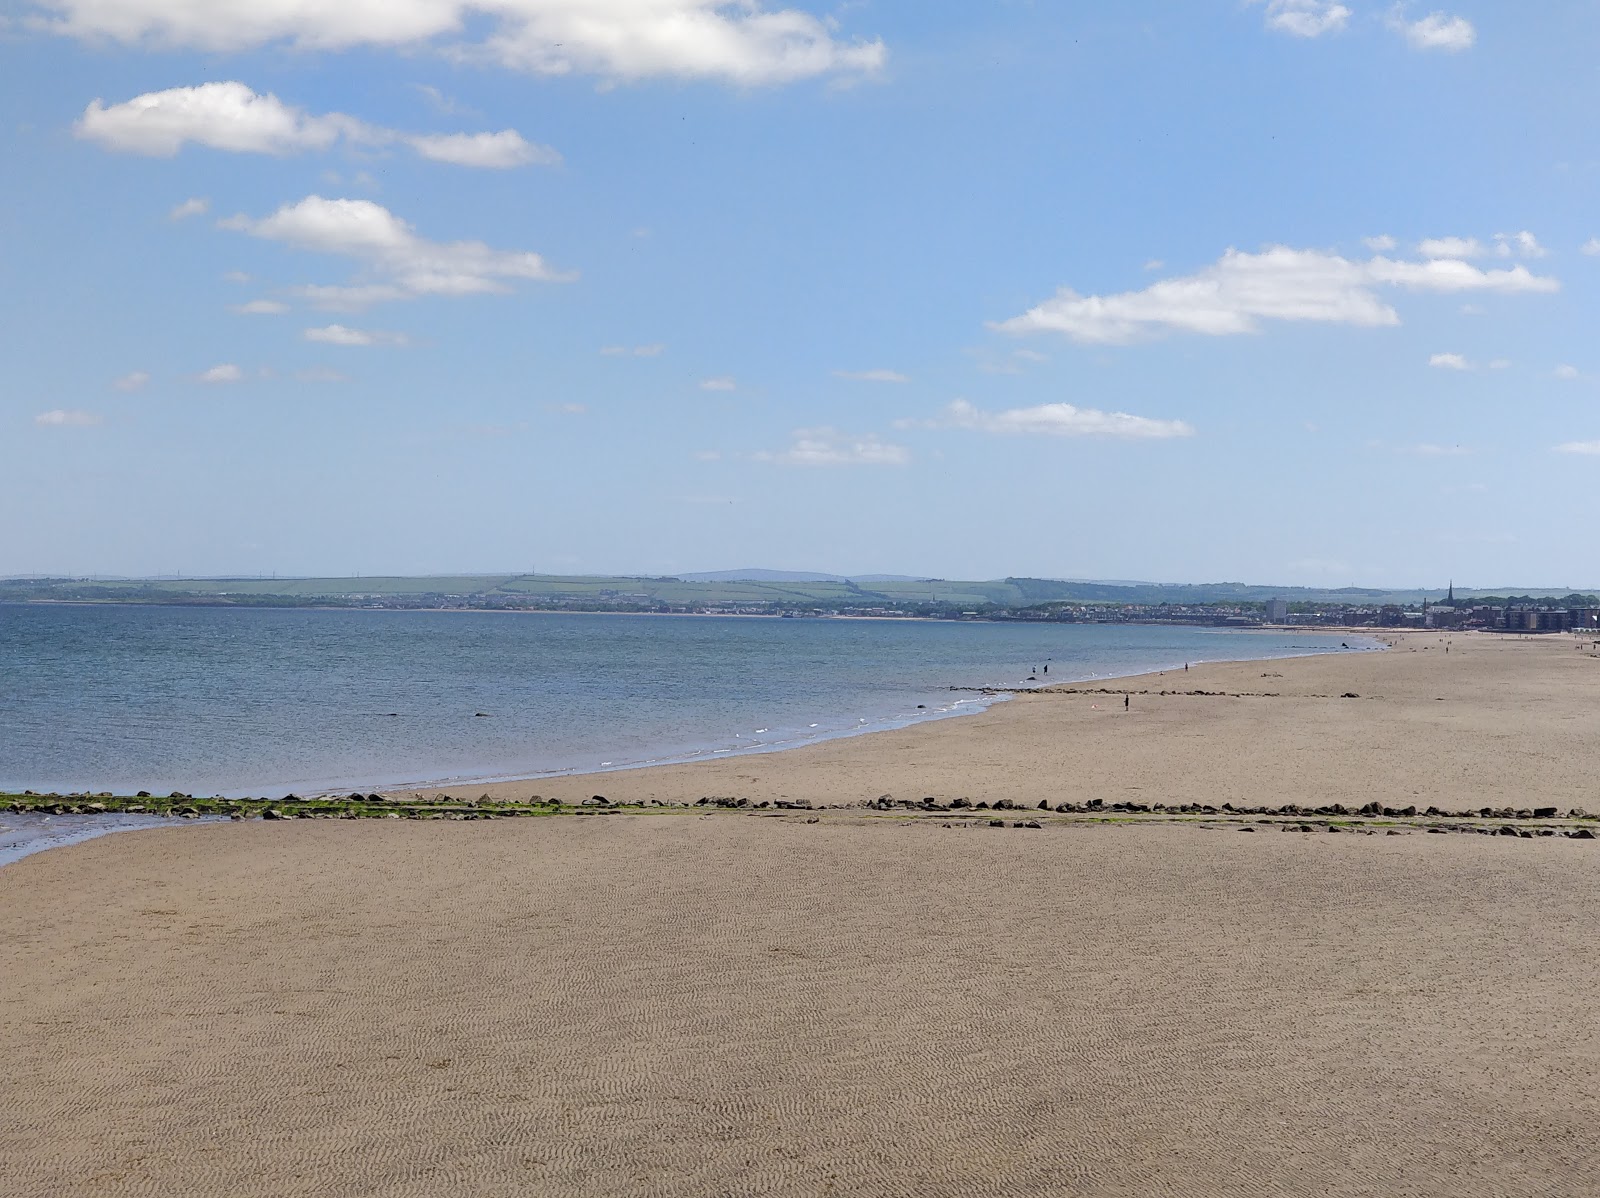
771	591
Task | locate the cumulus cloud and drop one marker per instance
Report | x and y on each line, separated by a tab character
738	41
829	447
64	418
1591	247
228	115
1590	448
1242	290
1381	244
1436	31
389	247
1306	18
197	206
227	372
260	307
723	383
872	376
134	380
1053	420
1449	362
338	334
633	351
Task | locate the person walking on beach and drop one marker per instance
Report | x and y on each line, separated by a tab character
1127	702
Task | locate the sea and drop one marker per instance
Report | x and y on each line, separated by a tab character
262	701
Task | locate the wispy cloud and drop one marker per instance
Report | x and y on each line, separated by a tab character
195	206
829	447
227	372
389	247
1436	31
338	334
1567	372
1053	420
1449	362
260	307
66	418
134	380
1586	448
231	116
872	376
721	383
1242	291
1306	18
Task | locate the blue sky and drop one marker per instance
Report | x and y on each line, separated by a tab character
1287	291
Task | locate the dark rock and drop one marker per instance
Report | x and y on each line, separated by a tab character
1508	830
997	823
143	794
480	715
1247	829
1582	834
1544	813
1032	823
1392	832
1409	812
1044	804
1439	831
960	803
1349	695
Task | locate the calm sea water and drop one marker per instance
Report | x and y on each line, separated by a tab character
240	702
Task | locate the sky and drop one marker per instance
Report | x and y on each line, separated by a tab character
1276	291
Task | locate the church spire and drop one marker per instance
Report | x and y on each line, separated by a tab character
1452	599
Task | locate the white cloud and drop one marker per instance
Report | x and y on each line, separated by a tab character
1236	294
197	206
707	455
1436	31
1449	362
1591	247
134	380
1381	244
830	447
1306	18
633	351
227	372
1591	448
338	334
228	115
1566	372
1499	363
570	409
493	151
872	376
1153	264
1521	245
225	115
1053	420
236	276
1451	247
389	246
723	383
739	41
61	418
260	307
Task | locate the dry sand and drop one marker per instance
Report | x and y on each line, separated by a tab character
724	1004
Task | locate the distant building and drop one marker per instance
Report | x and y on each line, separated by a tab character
1277	611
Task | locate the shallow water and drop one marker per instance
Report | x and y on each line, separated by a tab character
241	701
23	834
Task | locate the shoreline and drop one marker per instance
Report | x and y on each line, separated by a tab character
956	708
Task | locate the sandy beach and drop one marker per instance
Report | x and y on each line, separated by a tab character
861	1003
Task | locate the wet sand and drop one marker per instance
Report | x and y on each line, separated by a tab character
729	1004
